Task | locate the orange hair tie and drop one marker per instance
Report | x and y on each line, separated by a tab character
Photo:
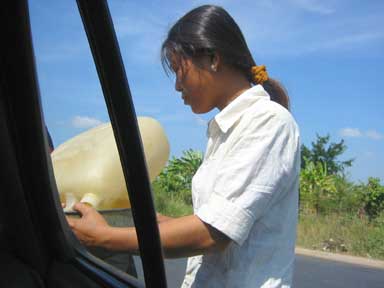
259	74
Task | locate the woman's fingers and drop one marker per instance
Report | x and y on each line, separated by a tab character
71	222
84	209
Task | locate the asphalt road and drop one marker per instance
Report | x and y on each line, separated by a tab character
315	273
310	272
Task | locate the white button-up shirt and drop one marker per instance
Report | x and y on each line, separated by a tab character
247	188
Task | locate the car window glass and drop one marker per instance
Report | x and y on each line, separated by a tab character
85	159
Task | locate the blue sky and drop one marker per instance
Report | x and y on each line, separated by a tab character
327	53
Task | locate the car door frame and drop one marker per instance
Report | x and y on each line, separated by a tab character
50	238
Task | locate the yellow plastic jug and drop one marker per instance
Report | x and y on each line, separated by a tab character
87	167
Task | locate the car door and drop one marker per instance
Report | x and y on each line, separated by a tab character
38	249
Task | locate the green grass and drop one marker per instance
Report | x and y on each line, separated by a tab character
342	234
170	205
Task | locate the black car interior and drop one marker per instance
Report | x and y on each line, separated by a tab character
37	248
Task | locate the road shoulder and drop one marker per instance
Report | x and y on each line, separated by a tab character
372	263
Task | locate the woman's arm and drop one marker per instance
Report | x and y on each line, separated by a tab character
180	237
162	218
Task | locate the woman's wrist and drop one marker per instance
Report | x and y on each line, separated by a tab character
106	237
162	218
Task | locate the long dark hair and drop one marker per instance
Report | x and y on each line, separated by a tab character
207	30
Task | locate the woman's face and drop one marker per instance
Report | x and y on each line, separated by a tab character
196	84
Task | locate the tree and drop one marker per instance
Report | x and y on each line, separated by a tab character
176	178
326	153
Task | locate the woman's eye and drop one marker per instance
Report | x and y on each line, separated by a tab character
179	73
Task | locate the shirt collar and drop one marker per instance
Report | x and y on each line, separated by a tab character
227	117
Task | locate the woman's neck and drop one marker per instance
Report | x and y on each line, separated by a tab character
234	84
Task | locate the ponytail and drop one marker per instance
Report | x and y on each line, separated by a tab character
259	75
277	92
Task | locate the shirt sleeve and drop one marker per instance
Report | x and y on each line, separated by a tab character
252	176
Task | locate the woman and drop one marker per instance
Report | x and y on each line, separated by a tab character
245	194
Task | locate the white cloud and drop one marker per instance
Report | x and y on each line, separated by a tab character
344	42
142	28
350	132
84	122
295	35
373	134
355	132
140	32
62	51
314	6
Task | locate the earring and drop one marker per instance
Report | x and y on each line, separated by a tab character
214	68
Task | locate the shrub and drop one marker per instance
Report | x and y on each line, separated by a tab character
173	185
317	188
373	197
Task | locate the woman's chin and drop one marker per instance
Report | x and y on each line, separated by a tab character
195	110
198	110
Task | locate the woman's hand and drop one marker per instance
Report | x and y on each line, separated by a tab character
91	229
